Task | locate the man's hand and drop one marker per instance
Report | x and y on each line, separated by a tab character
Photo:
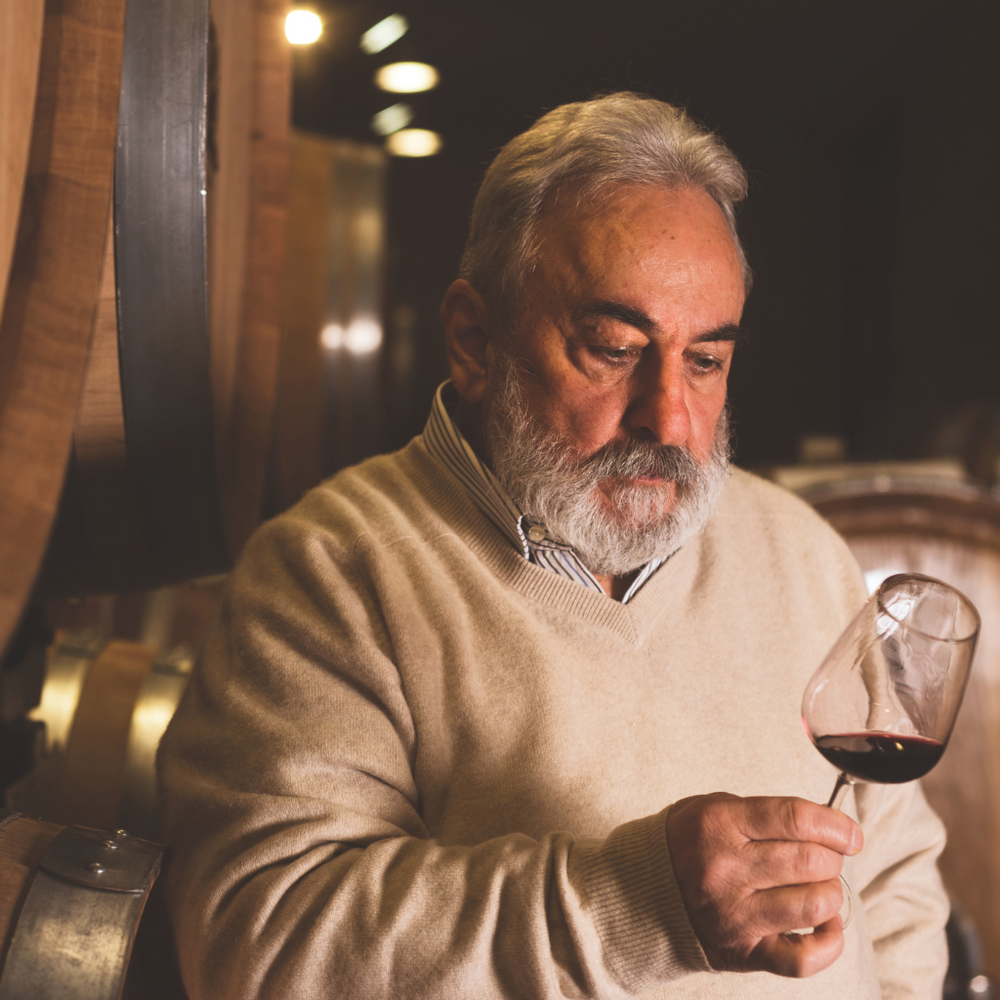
750	870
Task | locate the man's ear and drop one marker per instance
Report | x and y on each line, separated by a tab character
468	331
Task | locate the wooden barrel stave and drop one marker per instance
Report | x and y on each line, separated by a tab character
247	406
23	844
20	49
54	278
92	780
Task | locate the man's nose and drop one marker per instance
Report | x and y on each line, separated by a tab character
659	406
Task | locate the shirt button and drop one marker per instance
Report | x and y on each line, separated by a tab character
536	533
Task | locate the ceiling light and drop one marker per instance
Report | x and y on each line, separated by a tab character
380	36
390	120
303	27
413	142
362	336
406	77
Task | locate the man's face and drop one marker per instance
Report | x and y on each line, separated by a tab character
625	337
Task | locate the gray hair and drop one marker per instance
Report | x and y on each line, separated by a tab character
619	139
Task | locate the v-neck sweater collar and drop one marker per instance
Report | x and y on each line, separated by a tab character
633	621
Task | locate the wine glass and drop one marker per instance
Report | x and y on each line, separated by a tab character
882	704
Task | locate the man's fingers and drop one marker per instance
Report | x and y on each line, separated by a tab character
800	955
800	820
750	870
784	862
775	911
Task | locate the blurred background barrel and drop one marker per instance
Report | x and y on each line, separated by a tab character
949	530
333	393
104	706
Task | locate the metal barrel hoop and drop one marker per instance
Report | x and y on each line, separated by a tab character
161	224
76	929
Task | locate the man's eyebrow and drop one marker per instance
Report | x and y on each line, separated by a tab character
619	311
728	332
603	308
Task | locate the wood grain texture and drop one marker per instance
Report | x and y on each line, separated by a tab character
20	49
951	537
231	120
106	496
23	843
54	279
245	437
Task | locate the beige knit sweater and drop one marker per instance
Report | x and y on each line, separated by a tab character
412	765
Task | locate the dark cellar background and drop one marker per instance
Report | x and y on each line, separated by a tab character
870	133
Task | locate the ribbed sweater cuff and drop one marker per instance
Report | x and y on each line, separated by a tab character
636	905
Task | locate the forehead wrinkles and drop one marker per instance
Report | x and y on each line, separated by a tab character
670	231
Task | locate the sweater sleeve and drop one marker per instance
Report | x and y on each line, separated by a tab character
897	881
300	862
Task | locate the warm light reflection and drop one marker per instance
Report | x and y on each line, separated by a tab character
59	701
362	336
390	120
380	36
303	27
64	677
407	77
874	577
149	721
413	142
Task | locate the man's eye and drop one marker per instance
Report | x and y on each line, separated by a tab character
613	353
706	363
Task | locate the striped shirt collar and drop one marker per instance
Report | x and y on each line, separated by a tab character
447	444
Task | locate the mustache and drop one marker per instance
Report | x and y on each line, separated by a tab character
632	459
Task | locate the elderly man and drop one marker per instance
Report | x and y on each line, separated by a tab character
514	712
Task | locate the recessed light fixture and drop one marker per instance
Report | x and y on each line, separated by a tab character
380	36
392	119
407	77
413	142
303	27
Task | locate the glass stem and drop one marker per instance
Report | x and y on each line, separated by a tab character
838	790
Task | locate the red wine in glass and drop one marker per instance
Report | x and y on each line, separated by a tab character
882	704
885	757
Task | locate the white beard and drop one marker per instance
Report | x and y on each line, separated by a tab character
613	532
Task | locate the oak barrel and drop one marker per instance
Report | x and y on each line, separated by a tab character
330	401
105	706
58	200
70	904
950	531
170	446
20	49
